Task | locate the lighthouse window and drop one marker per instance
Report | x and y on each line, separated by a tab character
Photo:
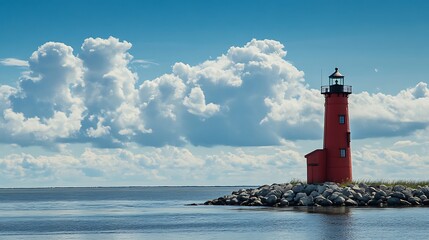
342	119
342	152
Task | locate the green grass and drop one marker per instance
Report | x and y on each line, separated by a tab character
389	183
376	183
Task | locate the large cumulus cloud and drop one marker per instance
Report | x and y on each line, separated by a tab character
251	95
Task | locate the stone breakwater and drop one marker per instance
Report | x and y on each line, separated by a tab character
327	194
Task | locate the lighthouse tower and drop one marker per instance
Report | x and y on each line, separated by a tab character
333	163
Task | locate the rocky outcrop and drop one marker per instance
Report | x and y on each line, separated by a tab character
326	194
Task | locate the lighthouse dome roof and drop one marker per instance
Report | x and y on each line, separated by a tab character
336	74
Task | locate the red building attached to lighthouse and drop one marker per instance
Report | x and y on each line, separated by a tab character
333	163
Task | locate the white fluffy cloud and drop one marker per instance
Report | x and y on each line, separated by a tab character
155	166
375	115
249	96
44	107
388	163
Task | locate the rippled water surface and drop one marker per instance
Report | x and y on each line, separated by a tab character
161	213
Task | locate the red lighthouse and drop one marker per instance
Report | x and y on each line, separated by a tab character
333	163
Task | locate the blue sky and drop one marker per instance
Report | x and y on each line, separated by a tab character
206	92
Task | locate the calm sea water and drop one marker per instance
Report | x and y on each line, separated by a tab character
161	213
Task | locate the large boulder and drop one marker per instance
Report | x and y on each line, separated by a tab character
271	200
321	188
315	194
306	201
418	193
333	196
284	203
380	195
310	188
276	193
393	201
263	192
425	190
243	197
289	195
408	193
398	195
328	192
298	196
414	200
348	192
339	201
298	188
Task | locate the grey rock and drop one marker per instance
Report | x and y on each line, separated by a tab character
398	195
426	202
363	185
263	192
350	202
310	188
423	197
357	196
366	198
418	193
306	201
321	188
319	199
398	188
383	187
325	202
407	193
339	201
253	198
414	200
275	192
315	194
284	202
403	202
425	190
288	193
371	190
298	196
357	189
348	192
393	201
271	200
333	196
380	194
328	192
288	186
333	186
298	188
243	197
373	202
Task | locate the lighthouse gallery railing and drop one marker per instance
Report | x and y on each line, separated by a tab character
336	89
